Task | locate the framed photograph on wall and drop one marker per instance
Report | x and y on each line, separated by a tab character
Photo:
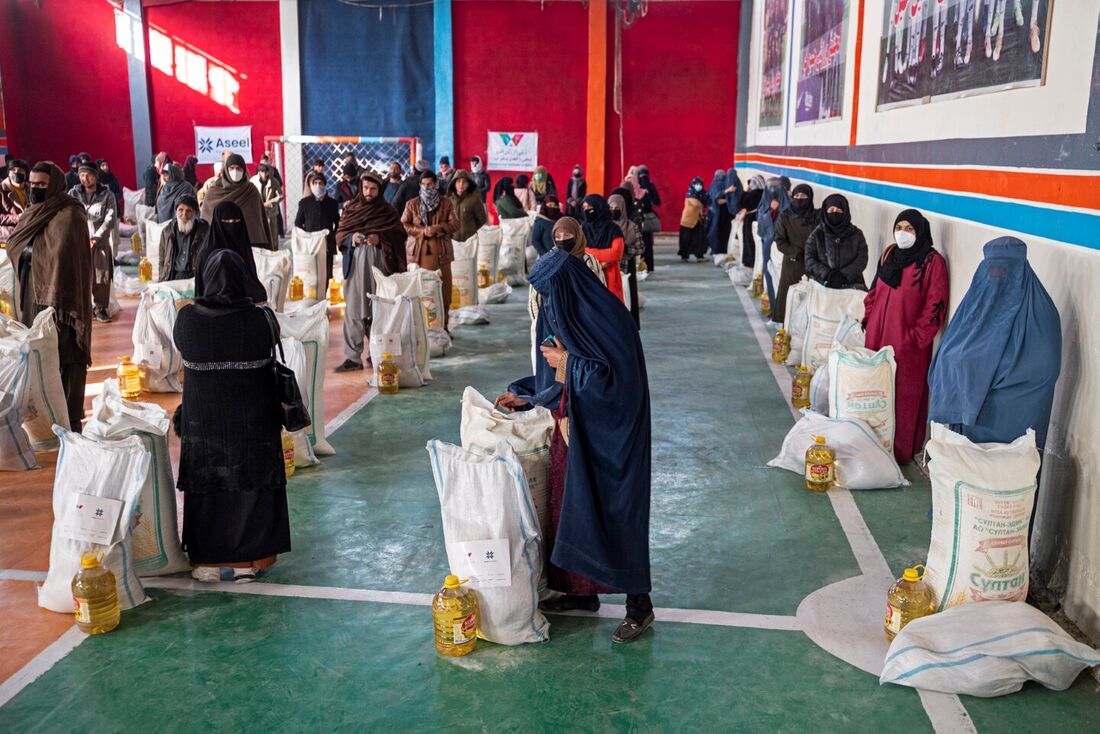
772	81
820	93
932	50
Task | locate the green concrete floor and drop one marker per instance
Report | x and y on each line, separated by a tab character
727	534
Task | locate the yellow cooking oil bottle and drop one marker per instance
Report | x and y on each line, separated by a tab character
800	387
757	285
95	599
145	270
908	599
297	290
820	466
387	375
484	277
781	346
288	453
765	305
455	610
135	243
456	297
335	292
128	375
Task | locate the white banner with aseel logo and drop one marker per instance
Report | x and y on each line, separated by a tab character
211	142
513	151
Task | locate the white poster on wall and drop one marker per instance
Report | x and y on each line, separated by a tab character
211	142
513	151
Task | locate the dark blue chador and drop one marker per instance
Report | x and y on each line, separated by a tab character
603	533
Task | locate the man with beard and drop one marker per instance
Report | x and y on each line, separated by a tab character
180	241
13	197
102	214
430	222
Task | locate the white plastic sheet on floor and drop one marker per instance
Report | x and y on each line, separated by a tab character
982	498
103	469
155	534
46	404
309	326
985	650
16	453
486	498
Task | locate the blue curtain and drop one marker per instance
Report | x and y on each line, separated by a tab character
362	75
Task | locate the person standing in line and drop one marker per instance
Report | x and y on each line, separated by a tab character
504	198
13	197
646	200
791	232
228	231
481	179
693	232
72	177
594	379
270	194
774	202
576	190
836	251
392	183
230	422
109	180
750	202
445	174
152	177
317	211
605	240
370	235
232	185
347	189
633	248
430	222
317	167
53	264
190	174
180	241
524	194
99	207
542	184
410	187
542	238
468	204
171	192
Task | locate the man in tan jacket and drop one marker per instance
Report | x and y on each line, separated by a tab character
430	221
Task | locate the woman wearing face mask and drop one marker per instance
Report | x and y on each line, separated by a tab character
541	231
575	191
791	232
605	240
633	248
693	231
13	197
542	185
750	201
905	309
774	202
645	199
232	185
228	231
504	198
836	251
110	180
318	211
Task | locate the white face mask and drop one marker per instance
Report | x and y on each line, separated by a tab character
185	226
905	239
318	190
236	174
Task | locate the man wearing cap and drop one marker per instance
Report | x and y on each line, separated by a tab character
180	241
13	197
71	177
102	211
446	173
410	187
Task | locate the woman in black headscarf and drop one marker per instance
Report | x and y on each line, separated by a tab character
230	422
836	251
171	192
605	240
189	173
229	232
110	180
791	232
504	198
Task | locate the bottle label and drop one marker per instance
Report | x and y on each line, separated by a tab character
819	472
465	629
796	391
387	380
82	610
893	618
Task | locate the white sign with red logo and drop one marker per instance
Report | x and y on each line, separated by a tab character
513	151
489	563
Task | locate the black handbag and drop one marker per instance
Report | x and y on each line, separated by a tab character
650	223
295	415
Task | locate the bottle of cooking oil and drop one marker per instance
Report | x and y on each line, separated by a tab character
908	599
455	610
297	289
484	277
145	270
765	305
95	599
642	267
335	292
800	387
820	466
288	453
757	285
781	346
456	297
387	375
129	378
135	243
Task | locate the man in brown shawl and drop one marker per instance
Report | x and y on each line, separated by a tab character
232	184
370	235
49	249
431	221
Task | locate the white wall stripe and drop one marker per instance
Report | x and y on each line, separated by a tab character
344	415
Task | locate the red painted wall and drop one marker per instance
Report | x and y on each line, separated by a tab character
65	86
524	68
679	97
242	37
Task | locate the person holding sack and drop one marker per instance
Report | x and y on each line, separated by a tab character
230	425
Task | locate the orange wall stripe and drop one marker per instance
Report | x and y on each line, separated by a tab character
597	95
859	67
1061	189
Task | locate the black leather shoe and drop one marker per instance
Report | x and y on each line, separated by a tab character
630	630
348	366
570	603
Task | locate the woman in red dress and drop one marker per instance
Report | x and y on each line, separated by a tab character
905	309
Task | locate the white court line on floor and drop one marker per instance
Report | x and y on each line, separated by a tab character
945	711
40	663
12	574
345	415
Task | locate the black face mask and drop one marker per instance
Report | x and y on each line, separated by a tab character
835	218
18	177
37	196
800	205
616	213
566	245
591	215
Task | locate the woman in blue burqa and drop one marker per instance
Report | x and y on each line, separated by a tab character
774	202
994	374
593	377
725	197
